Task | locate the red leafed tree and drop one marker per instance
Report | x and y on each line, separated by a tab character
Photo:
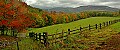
14	15
4	22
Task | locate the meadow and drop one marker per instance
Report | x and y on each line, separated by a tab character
116	27
72	25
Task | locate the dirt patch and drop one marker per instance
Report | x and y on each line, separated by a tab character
113	43
6	41
7	38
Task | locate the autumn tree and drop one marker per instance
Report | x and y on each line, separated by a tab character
50	20
14	15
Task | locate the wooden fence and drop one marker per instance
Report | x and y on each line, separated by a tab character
54	38
8	32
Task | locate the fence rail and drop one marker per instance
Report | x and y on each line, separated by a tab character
53	38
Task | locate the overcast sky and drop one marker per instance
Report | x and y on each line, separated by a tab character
72	3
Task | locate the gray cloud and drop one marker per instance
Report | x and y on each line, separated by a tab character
71	3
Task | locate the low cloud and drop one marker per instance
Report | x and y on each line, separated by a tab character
71	3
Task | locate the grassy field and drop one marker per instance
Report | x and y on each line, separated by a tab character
86	41
92	39
116	26
72	25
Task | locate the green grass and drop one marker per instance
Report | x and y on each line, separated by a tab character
116	26
83	41
72	25
25	44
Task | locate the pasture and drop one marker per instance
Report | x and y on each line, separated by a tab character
116	26
72	25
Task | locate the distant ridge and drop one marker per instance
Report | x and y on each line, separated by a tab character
83	8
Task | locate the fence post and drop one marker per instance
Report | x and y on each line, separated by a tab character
80	28
17	46
96	26
100	25
68	31
40	37
36	38
6	32
109	22
54	37
31	34
45	39
106	23
68	34
13	33
2	31
89	27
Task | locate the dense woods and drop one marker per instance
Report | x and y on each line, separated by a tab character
18	15
50	18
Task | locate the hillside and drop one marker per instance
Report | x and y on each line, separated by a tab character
72	25
83	8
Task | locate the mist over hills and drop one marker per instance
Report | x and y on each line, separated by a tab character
83	8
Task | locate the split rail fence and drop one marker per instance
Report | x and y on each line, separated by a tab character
46	39
7	32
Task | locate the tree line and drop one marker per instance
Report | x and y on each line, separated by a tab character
51	18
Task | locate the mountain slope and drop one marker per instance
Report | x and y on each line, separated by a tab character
83	8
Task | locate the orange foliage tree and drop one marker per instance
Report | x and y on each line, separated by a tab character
14	15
